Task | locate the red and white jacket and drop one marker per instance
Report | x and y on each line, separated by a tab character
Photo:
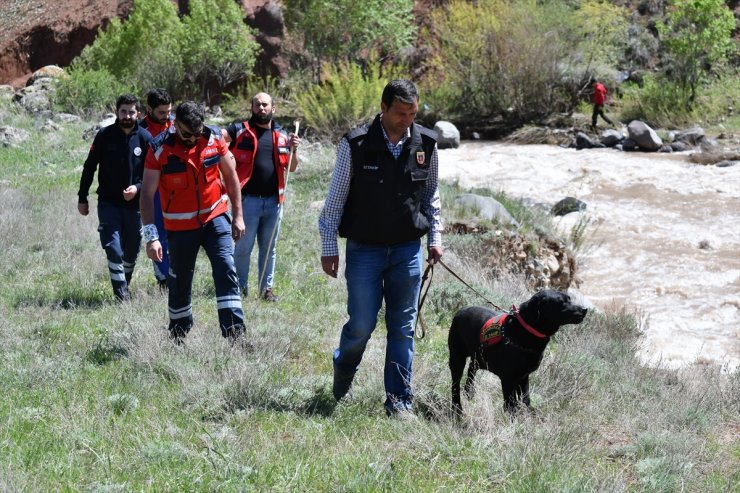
244	147
190	186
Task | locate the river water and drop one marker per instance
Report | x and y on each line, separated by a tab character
664	239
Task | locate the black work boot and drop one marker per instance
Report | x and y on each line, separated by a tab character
236	334
342	383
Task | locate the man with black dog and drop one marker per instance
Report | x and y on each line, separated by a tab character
117	153
195	174
383	198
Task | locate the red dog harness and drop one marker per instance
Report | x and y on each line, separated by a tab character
492	331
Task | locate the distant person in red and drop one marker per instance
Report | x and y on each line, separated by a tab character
599	98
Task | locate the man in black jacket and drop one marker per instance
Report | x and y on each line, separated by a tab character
119	150
383	198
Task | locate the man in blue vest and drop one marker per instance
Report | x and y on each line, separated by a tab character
117	153
383	198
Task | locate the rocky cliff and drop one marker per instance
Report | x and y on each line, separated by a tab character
35	33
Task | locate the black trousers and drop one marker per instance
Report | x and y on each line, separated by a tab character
599	110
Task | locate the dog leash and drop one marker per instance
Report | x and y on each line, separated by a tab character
423	294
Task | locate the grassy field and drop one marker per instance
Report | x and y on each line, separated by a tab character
96	398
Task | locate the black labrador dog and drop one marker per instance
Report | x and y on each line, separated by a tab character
510	344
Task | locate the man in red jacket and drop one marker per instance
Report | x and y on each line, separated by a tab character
599	98
195	174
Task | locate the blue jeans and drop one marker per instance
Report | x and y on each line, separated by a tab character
121	240
215	238
375	273
262	217
161	269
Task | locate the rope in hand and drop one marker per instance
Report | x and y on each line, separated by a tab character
423	295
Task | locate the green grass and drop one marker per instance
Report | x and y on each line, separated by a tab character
96	398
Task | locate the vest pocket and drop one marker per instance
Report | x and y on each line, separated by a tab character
175	181
419	174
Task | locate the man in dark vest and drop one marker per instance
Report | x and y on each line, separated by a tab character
383	198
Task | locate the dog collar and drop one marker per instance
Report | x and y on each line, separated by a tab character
528	327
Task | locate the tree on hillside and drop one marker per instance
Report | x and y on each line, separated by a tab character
503	58
696	36
141	51
348	30
217	46
209	48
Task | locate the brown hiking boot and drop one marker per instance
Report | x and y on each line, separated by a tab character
268	295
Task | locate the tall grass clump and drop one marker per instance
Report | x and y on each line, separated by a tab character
347	97
89	92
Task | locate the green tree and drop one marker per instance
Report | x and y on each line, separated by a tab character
696	36
338	30
217	47
500	58
602	29
143	51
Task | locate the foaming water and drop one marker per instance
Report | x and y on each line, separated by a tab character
664	238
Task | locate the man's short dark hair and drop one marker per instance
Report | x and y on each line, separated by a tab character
191	114
127	99
157	97
402	90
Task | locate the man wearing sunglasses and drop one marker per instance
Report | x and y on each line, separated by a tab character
195	173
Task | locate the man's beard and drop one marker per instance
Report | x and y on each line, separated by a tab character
188	143
262	119
127	123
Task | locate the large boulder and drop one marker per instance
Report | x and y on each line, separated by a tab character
568	205
611	137
12	137
448	136
644	136
679	146
35	98
487	207
266	17
46	72
691	136
583	141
